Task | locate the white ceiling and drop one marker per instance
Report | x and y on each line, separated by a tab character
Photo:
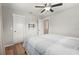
29	7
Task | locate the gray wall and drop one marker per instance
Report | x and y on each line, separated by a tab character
66	22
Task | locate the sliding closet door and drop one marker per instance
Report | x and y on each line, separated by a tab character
18	28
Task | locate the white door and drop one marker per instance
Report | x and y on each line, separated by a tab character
18	28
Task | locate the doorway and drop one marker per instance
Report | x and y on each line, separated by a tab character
46	26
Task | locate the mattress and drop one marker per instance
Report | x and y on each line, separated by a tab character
52	45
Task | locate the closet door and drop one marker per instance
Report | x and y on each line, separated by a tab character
18	28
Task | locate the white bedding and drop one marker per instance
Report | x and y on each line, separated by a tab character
54	45
60	50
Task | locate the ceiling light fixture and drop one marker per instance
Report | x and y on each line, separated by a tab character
47	8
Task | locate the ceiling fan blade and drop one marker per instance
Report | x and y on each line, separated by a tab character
42	11
59	4
40	6
51	10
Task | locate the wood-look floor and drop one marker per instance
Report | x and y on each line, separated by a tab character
16	49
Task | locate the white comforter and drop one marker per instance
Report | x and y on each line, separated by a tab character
52	45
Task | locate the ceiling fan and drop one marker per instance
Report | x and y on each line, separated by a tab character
49	7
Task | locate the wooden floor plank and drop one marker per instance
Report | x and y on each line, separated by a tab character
16	49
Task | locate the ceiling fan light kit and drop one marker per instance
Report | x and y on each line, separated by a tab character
48	7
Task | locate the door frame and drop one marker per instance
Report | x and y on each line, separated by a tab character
46	26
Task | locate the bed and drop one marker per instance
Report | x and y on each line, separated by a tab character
52	44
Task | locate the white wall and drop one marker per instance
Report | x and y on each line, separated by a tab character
1	46
66	22
31	19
